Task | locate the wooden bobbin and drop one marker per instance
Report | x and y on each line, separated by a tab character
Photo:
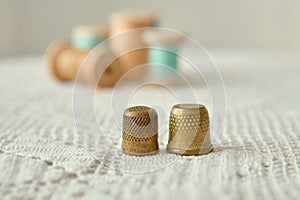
125	21
164	49
65	62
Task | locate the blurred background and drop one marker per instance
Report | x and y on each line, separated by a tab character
27	27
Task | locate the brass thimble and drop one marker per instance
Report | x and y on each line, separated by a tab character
189	130
140	131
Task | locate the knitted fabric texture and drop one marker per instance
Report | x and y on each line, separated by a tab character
256	157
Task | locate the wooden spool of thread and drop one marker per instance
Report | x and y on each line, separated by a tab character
164	52
65	61
125	21
85	38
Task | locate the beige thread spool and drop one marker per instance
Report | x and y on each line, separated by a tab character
189	130
65	61
140	131
126	21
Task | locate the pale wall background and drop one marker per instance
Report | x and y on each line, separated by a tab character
27	26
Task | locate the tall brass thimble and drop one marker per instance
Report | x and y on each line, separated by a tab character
140	131
189	130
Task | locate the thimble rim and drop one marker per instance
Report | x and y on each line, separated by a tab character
193	152
129	153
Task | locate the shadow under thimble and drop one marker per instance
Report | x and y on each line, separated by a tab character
140	131
189	130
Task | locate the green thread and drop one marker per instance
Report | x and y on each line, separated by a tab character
85	43
163	56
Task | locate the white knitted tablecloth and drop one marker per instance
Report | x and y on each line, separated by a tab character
256	157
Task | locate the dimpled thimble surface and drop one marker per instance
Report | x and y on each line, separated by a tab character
189	130
140	131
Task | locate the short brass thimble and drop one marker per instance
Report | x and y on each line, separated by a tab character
140	131
189	130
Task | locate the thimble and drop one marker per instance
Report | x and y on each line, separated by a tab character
140	131
189	130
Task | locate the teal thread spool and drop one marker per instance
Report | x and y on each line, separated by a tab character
163	61
85	43
163	57
85	38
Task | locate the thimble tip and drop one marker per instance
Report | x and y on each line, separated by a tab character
138	110
189	106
